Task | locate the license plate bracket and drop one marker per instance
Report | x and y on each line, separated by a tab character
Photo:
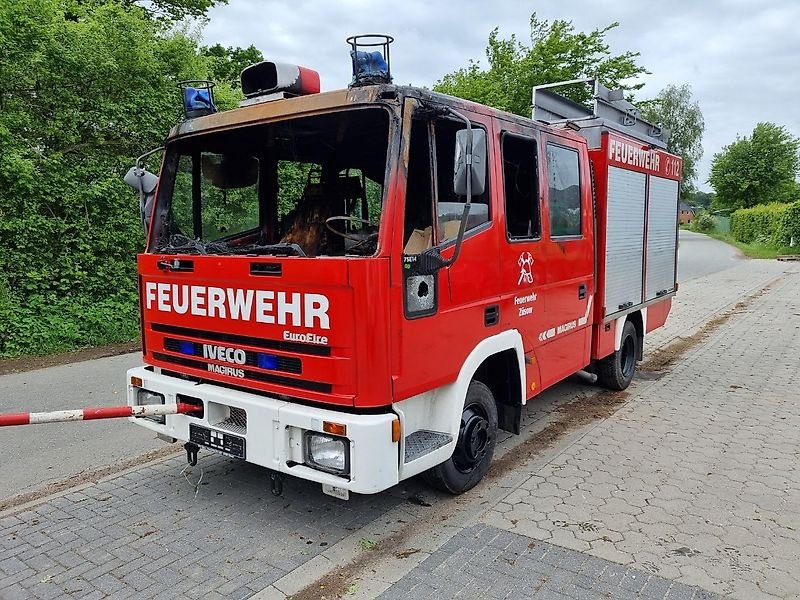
224	443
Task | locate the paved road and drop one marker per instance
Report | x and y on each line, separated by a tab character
700	255
40	454
689	487
36	456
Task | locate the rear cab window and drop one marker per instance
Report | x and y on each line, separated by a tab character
521	187
563	191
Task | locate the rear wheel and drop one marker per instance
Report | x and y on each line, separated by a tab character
477	437
616	370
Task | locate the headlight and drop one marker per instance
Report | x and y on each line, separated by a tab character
148	397
327	453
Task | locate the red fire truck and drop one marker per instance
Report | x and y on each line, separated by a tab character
359	286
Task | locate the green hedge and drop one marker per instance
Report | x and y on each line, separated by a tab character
772	224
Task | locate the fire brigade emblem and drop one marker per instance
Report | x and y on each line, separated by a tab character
525	263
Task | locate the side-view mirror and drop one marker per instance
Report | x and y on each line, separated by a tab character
478	162
144	182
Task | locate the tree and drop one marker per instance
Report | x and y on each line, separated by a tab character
700	199
675	108
80	97
758	169
158	10
226	64
556	53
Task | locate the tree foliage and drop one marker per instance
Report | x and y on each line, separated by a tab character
226	64
158	10
82	93
675	108
776	225
758	169
556	53
699	199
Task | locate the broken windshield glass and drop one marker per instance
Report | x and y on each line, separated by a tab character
311	186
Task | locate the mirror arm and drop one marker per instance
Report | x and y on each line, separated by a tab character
140	175
141	159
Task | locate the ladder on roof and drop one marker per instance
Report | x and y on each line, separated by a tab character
609	110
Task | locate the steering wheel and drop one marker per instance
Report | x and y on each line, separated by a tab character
349	219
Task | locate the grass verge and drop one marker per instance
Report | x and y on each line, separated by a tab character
754	249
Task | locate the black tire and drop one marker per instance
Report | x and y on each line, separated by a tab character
616	370
477	437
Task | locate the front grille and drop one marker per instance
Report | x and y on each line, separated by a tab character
287	364
230	338
302	384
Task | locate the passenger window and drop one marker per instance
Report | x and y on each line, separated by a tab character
450	207
418	234
521	188
564	191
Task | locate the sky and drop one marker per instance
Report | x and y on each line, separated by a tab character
740	57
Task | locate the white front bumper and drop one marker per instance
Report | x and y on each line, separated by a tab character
274	433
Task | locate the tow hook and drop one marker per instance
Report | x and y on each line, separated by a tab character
276	482
191	453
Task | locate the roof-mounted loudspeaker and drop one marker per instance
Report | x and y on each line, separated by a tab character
271	78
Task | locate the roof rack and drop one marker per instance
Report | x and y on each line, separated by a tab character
610	110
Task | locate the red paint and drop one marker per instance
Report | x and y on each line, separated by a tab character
15	419
636	156
91	414
377	355
657	314
602	340
309	81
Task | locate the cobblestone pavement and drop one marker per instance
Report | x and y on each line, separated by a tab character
698	479
693	481
485	562
146	535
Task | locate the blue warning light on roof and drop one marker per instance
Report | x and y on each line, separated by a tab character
198	98
370	64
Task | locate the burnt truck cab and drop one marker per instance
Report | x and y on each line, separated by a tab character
320	281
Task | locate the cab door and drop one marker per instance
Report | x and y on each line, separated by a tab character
523	265
568	250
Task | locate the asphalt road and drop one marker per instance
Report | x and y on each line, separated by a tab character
34	456
700	255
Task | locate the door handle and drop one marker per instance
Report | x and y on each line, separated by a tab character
582	291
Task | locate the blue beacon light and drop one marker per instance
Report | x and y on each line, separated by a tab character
267	361
197	98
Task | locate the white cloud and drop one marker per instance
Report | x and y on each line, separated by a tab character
739	57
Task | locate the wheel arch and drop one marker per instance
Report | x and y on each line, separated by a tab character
440	409
501	374
639	319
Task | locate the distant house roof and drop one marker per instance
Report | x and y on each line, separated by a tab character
685	206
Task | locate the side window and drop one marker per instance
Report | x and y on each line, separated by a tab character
521	187
418	223
564	191
450	207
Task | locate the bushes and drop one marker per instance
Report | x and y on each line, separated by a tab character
703	223
772	224
80	98
790	224
50	324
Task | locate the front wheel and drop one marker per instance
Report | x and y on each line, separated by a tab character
616	370
477	437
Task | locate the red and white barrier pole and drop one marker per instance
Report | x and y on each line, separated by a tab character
89	414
